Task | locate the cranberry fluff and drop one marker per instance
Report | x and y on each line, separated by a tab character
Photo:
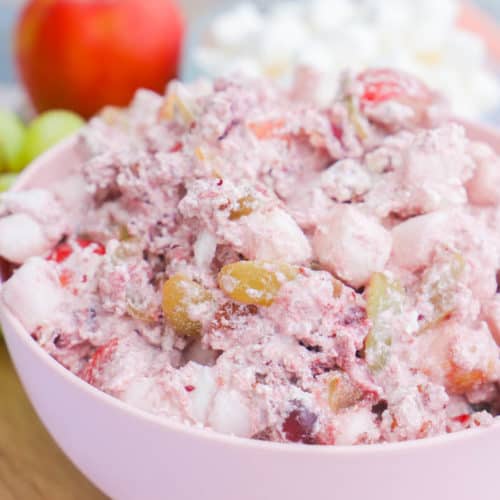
235	257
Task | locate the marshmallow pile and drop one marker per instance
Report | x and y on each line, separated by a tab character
422	38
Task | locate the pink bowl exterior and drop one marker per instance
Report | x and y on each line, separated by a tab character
131	455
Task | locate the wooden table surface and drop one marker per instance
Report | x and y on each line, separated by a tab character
31	465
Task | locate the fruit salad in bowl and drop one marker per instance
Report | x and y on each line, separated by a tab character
231	261
238	259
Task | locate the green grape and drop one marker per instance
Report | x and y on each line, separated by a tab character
47	130
6	180
12	132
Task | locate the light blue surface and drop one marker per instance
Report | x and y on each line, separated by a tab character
190	70
8	15
493	6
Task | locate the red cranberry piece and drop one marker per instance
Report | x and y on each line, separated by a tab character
65	277
462	419
178	146
6	269
98	247
98	360
337	131
298	426
61	252
386	84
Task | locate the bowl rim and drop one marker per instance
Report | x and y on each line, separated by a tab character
17	329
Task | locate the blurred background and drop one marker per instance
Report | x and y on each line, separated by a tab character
215	43
194	9
202	16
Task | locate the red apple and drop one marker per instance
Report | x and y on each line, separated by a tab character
82	55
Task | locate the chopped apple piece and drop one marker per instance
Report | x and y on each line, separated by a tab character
384	300
355	118
179	104
245	206
342	393
441	287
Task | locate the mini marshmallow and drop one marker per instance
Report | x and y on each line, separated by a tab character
33	294
352	245
22	238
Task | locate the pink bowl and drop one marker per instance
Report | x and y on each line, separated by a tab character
131	455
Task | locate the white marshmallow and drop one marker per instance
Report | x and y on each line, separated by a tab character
21	237
484	187
204	249
33	293
204	389
276	236
352	245
230	414
415	239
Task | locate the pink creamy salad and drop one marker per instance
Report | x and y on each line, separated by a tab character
236	258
